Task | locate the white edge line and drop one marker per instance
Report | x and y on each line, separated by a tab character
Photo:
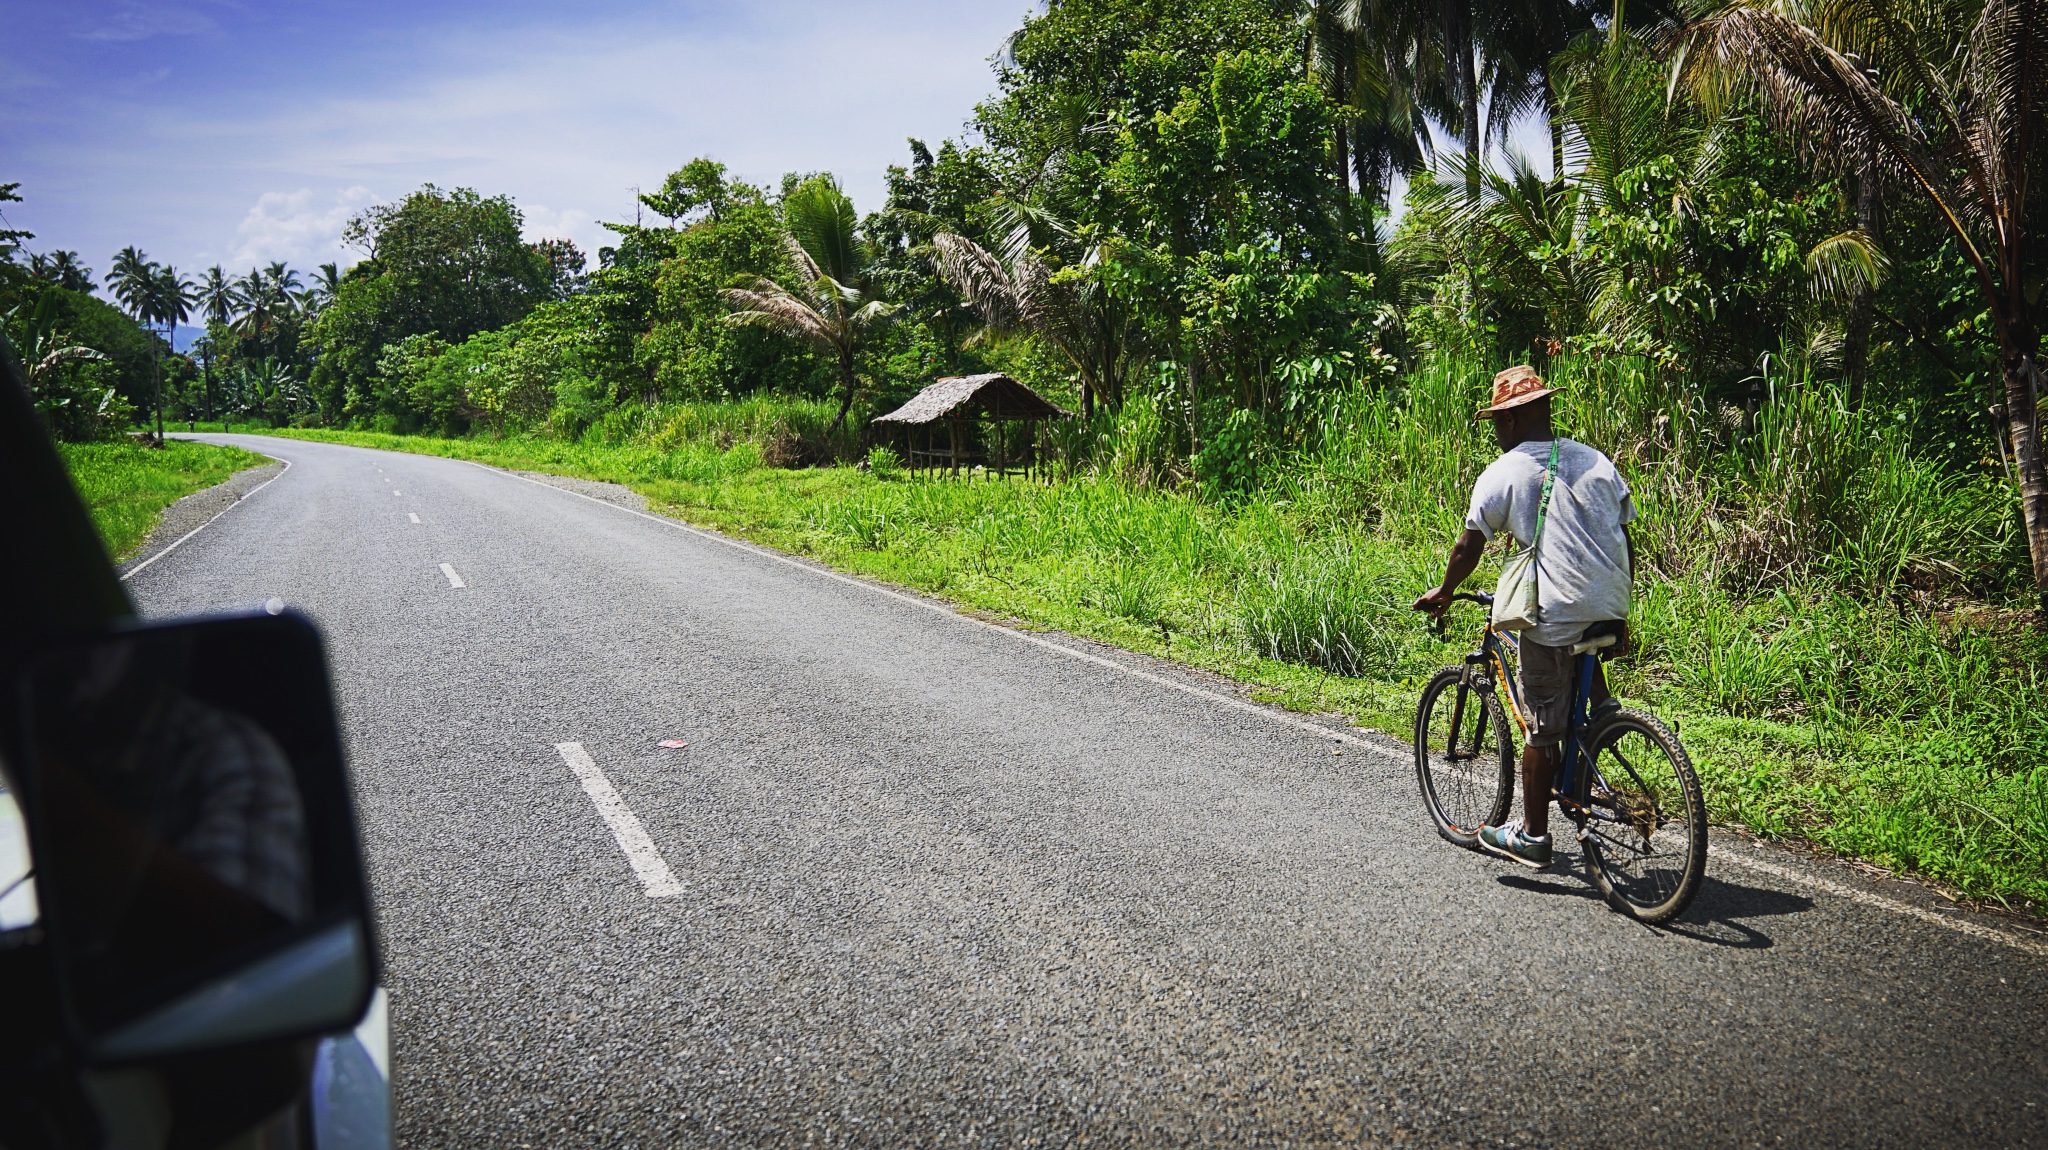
454	580
632	838
132	571
1865	898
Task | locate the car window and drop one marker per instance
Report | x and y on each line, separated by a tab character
17	884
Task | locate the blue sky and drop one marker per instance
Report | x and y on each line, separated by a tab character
239	132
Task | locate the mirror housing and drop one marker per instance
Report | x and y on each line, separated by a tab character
193	834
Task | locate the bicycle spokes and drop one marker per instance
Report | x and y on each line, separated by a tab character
1462	756
1646	829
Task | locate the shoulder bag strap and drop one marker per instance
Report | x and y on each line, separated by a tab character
1542	510
1543	503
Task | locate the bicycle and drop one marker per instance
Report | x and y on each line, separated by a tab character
1625	782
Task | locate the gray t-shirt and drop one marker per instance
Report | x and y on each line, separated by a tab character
1582	570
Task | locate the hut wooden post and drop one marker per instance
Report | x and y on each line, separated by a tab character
994	399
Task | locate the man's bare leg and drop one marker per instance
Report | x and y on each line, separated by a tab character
1538	765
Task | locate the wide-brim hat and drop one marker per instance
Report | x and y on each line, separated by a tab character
1513	388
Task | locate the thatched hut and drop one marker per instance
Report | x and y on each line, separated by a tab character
959	401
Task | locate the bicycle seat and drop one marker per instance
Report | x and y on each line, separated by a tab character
1605	633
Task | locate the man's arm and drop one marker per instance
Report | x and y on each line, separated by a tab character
1465	556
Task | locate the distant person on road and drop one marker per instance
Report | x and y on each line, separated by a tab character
1584	563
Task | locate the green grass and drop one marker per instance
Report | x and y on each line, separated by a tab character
1912	736
126	486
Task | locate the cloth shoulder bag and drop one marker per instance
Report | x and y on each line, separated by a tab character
1516	605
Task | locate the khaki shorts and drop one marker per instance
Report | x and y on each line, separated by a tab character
1546	677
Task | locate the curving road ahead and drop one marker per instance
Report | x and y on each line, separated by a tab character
921	881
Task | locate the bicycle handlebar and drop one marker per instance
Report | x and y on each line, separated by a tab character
1479	597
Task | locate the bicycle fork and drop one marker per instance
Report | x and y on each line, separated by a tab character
1467	688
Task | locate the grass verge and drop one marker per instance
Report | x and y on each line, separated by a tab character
126	486
1915	740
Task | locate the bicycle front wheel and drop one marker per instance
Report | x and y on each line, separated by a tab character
1646	827
1464	757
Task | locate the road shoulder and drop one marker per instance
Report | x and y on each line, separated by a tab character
196	510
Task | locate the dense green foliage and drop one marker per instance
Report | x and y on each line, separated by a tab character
445	264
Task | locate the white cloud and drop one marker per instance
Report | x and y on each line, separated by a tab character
545	223
583	113
293	227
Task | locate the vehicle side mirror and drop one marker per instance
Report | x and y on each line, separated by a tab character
193	837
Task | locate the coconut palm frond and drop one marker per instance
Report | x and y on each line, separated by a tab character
874	312
807	269
1025	226
822	221
1814	91
1844	264
778	309
982	280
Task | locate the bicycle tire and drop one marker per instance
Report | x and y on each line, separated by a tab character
1649	858
1461	797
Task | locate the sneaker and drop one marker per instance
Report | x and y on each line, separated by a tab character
1510	842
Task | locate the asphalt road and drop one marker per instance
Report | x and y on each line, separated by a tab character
938	885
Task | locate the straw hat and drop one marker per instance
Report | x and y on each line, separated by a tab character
1513	388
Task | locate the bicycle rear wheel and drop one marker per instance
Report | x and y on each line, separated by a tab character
1646	830
1464	757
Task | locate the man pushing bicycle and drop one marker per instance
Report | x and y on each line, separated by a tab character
1568	508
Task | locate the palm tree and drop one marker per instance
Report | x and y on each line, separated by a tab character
218	296
218	299
325	286
254	290
1523	41
1398	85
1068	308
1369	60
134	281
62	269
170	304
284	283
71	273
828	306
1945	100
130	278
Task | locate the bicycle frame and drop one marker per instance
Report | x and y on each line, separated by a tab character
1492	646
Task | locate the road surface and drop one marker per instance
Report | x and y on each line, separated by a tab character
920	881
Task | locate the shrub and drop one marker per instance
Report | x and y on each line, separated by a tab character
883	462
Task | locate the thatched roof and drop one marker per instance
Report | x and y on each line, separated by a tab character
992	396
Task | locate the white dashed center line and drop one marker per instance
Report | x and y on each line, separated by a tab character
454	580
414	515
632	837
398	493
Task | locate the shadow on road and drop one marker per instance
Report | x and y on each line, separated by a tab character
1716	916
